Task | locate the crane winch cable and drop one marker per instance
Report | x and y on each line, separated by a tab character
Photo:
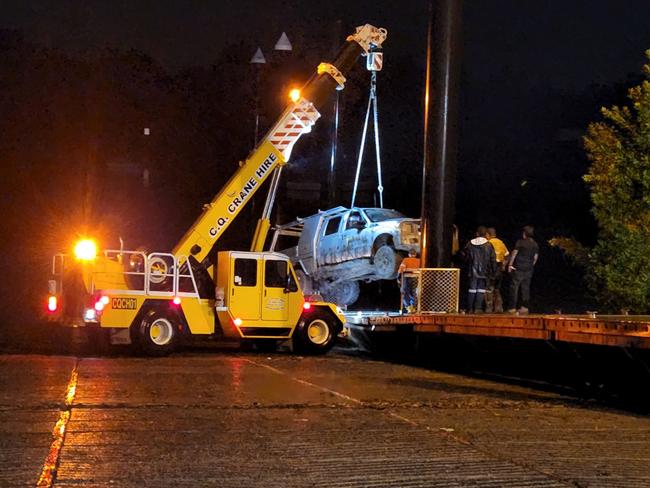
374	64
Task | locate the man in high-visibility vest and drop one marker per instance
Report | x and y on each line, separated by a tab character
493	298
408	283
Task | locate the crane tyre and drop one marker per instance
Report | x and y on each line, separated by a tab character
158	333
316	333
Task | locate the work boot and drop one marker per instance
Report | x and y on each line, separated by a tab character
523	310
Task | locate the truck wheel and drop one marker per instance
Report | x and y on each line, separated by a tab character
386	261
315	334
343	294
158	333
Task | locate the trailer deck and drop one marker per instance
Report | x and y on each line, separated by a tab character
631	331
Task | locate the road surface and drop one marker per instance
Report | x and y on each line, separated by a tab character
230	419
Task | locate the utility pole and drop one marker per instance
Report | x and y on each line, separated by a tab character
440	132
334	130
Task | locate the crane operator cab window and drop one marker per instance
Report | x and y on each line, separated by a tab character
245	272
355	221
277	275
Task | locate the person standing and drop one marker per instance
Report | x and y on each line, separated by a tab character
481	267
521	265
408	283
493	298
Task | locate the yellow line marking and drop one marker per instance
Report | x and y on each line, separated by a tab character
48	473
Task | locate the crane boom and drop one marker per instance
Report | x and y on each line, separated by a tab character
274	149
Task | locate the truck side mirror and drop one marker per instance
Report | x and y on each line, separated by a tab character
287	284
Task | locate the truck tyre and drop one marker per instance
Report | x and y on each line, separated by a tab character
343	294
158	333
386	261
316	333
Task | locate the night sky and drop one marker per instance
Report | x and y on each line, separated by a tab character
533	75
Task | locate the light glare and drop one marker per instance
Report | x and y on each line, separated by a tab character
86	250
294	95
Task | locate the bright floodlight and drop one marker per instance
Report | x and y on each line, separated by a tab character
294	95
86	250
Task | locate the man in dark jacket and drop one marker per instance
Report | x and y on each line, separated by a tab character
522	262
482	266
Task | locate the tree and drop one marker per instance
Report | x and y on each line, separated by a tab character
619	180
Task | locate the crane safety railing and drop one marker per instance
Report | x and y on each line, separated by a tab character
154	274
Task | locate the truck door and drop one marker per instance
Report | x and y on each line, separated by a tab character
246	290
275	302
355	241
328	244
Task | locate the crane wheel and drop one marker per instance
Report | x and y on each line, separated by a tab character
158	333
316	333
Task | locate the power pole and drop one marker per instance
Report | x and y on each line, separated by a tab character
440	132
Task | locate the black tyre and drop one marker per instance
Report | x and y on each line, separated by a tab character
158	333
316	332
343	294
386	261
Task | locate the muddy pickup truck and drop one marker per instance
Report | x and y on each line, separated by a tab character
335	249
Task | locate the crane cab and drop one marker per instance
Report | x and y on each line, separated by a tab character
261	296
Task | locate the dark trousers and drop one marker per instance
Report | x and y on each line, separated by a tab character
409	288
520	283
476	294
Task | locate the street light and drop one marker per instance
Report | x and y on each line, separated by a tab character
258	60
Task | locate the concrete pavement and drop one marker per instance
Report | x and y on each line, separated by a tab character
245	420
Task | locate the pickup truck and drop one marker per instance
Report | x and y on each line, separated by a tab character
335	249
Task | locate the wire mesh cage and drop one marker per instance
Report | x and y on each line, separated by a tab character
438	290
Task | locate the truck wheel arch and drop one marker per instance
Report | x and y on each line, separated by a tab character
382	240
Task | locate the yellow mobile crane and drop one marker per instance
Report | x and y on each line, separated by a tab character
155	298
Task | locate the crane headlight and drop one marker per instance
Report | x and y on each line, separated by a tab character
294	95
85	250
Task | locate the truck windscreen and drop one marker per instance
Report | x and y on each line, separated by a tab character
381	214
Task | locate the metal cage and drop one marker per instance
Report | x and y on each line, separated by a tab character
437	289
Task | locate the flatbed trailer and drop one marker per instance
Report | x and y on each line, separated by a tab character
627	331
